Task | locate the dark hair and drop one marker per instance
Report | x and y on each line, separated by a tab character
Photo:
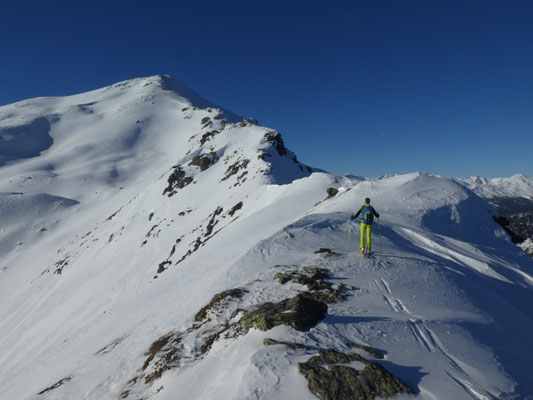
367	201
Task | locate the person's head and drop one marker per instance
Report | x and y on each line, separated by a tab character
367	201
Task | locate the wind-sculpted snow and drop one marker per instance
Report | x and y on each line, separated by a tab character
163	248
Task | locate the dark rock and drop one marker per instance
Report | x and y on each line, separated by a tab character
312	277
331	192
61	264
330	381
504	223
284	277
248	121
292	345
235	168
370	350
213	221
208	135
113	215
177	180
275	139
161	268
235	208
205	120
264	155
516	216
329	295
55	385
204	161
300	312
325	251
315	280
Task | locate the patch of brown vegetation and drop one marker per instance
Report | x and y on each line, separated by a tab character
111	346
167	349
216	300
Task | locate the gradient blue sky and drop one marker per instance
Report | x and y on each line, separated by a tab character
366	87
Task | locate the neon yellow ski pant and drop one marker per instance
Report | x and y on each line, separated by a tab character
366	230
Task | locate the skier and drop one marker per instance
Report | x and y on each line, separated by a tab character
367	212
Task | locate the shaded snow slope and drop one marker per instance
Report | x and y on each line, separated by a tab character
24	140
150	201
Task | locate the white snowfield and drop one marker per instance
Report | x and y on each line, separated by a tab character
97	264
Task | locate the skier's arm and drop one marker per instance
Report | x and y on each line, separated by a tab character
375	212
357	214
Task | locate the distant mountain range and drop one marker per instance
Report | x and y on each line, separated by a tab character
513	199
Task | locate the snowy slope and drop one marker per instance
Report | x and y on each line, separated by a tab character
142	201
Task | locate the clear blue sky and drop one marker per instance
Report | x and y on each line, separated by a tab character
366	87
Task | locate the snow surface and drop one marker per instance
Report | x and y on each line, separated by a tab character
97	264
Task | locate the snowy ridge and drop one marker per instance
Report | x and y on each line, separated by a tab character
148	201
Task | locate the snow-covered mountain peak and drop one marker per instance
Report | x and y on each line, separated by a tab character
119	134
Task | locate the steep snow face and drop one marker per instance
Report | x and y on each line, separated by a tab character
515	186
147	201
